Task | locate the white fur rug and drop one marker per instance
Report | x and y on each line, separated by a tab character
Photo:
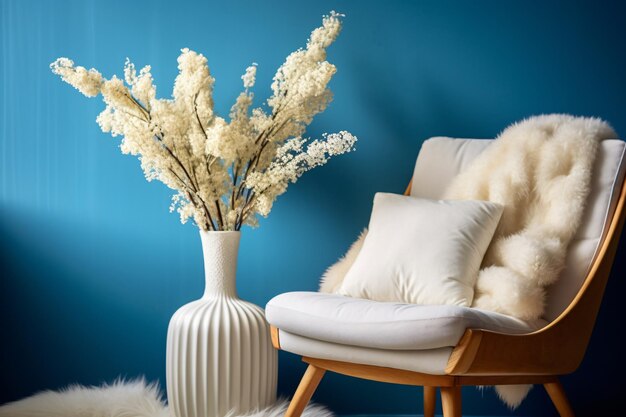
121	399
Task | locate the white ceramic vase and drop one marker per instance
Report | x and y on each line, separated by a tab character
219	352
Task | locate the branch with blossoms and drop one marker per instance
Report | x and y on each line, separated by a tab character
225	173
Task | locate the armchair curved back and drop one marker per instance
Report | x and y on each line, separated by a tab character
559	347
576	322
441	159
575	300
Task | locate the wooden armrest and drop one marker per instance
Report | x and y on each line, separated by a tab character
558	348
481	352
275	337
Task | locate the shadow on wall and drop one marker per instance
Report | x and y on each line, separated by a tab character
66	320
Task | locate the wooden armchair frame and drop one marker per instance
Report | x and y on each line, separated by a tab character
484	357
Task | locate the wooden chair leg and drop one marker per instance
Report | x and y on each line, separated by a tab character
306	388
559	399
430	398
451	401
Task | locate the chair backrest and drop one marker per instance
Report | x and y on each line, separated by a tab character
441	159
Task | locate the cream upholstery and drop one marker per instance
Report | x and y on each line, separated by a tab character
419	338
434	261
396	326
431	361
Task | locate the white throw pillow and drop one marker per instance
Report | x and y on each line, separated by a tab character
422	251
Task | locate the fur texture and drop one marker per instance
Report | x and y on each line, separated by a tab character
121	399
333	277
540	170
280	408
512	395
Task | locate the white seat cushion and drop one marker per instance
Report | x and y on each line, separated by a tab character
381	325
431	361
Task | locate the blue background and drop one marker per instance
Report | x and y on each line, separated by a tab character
93	265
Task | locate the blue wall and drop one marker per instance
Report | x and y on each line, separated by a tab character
93	265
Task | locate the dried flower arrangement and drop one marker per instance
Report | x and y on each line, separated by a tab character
224	172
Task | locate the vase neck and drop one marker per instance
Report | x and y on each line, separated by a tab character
220	251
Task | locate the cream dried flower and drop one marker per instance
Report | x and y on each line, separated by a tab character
87	82
224	172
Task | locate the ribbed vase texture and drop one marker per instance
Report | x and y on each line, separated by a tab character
219	352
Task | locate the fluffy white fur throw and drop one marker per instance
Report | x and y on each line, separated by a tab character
333	277
540	171
121	399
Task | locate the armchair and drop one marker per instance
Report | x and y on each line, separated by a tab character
447	347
